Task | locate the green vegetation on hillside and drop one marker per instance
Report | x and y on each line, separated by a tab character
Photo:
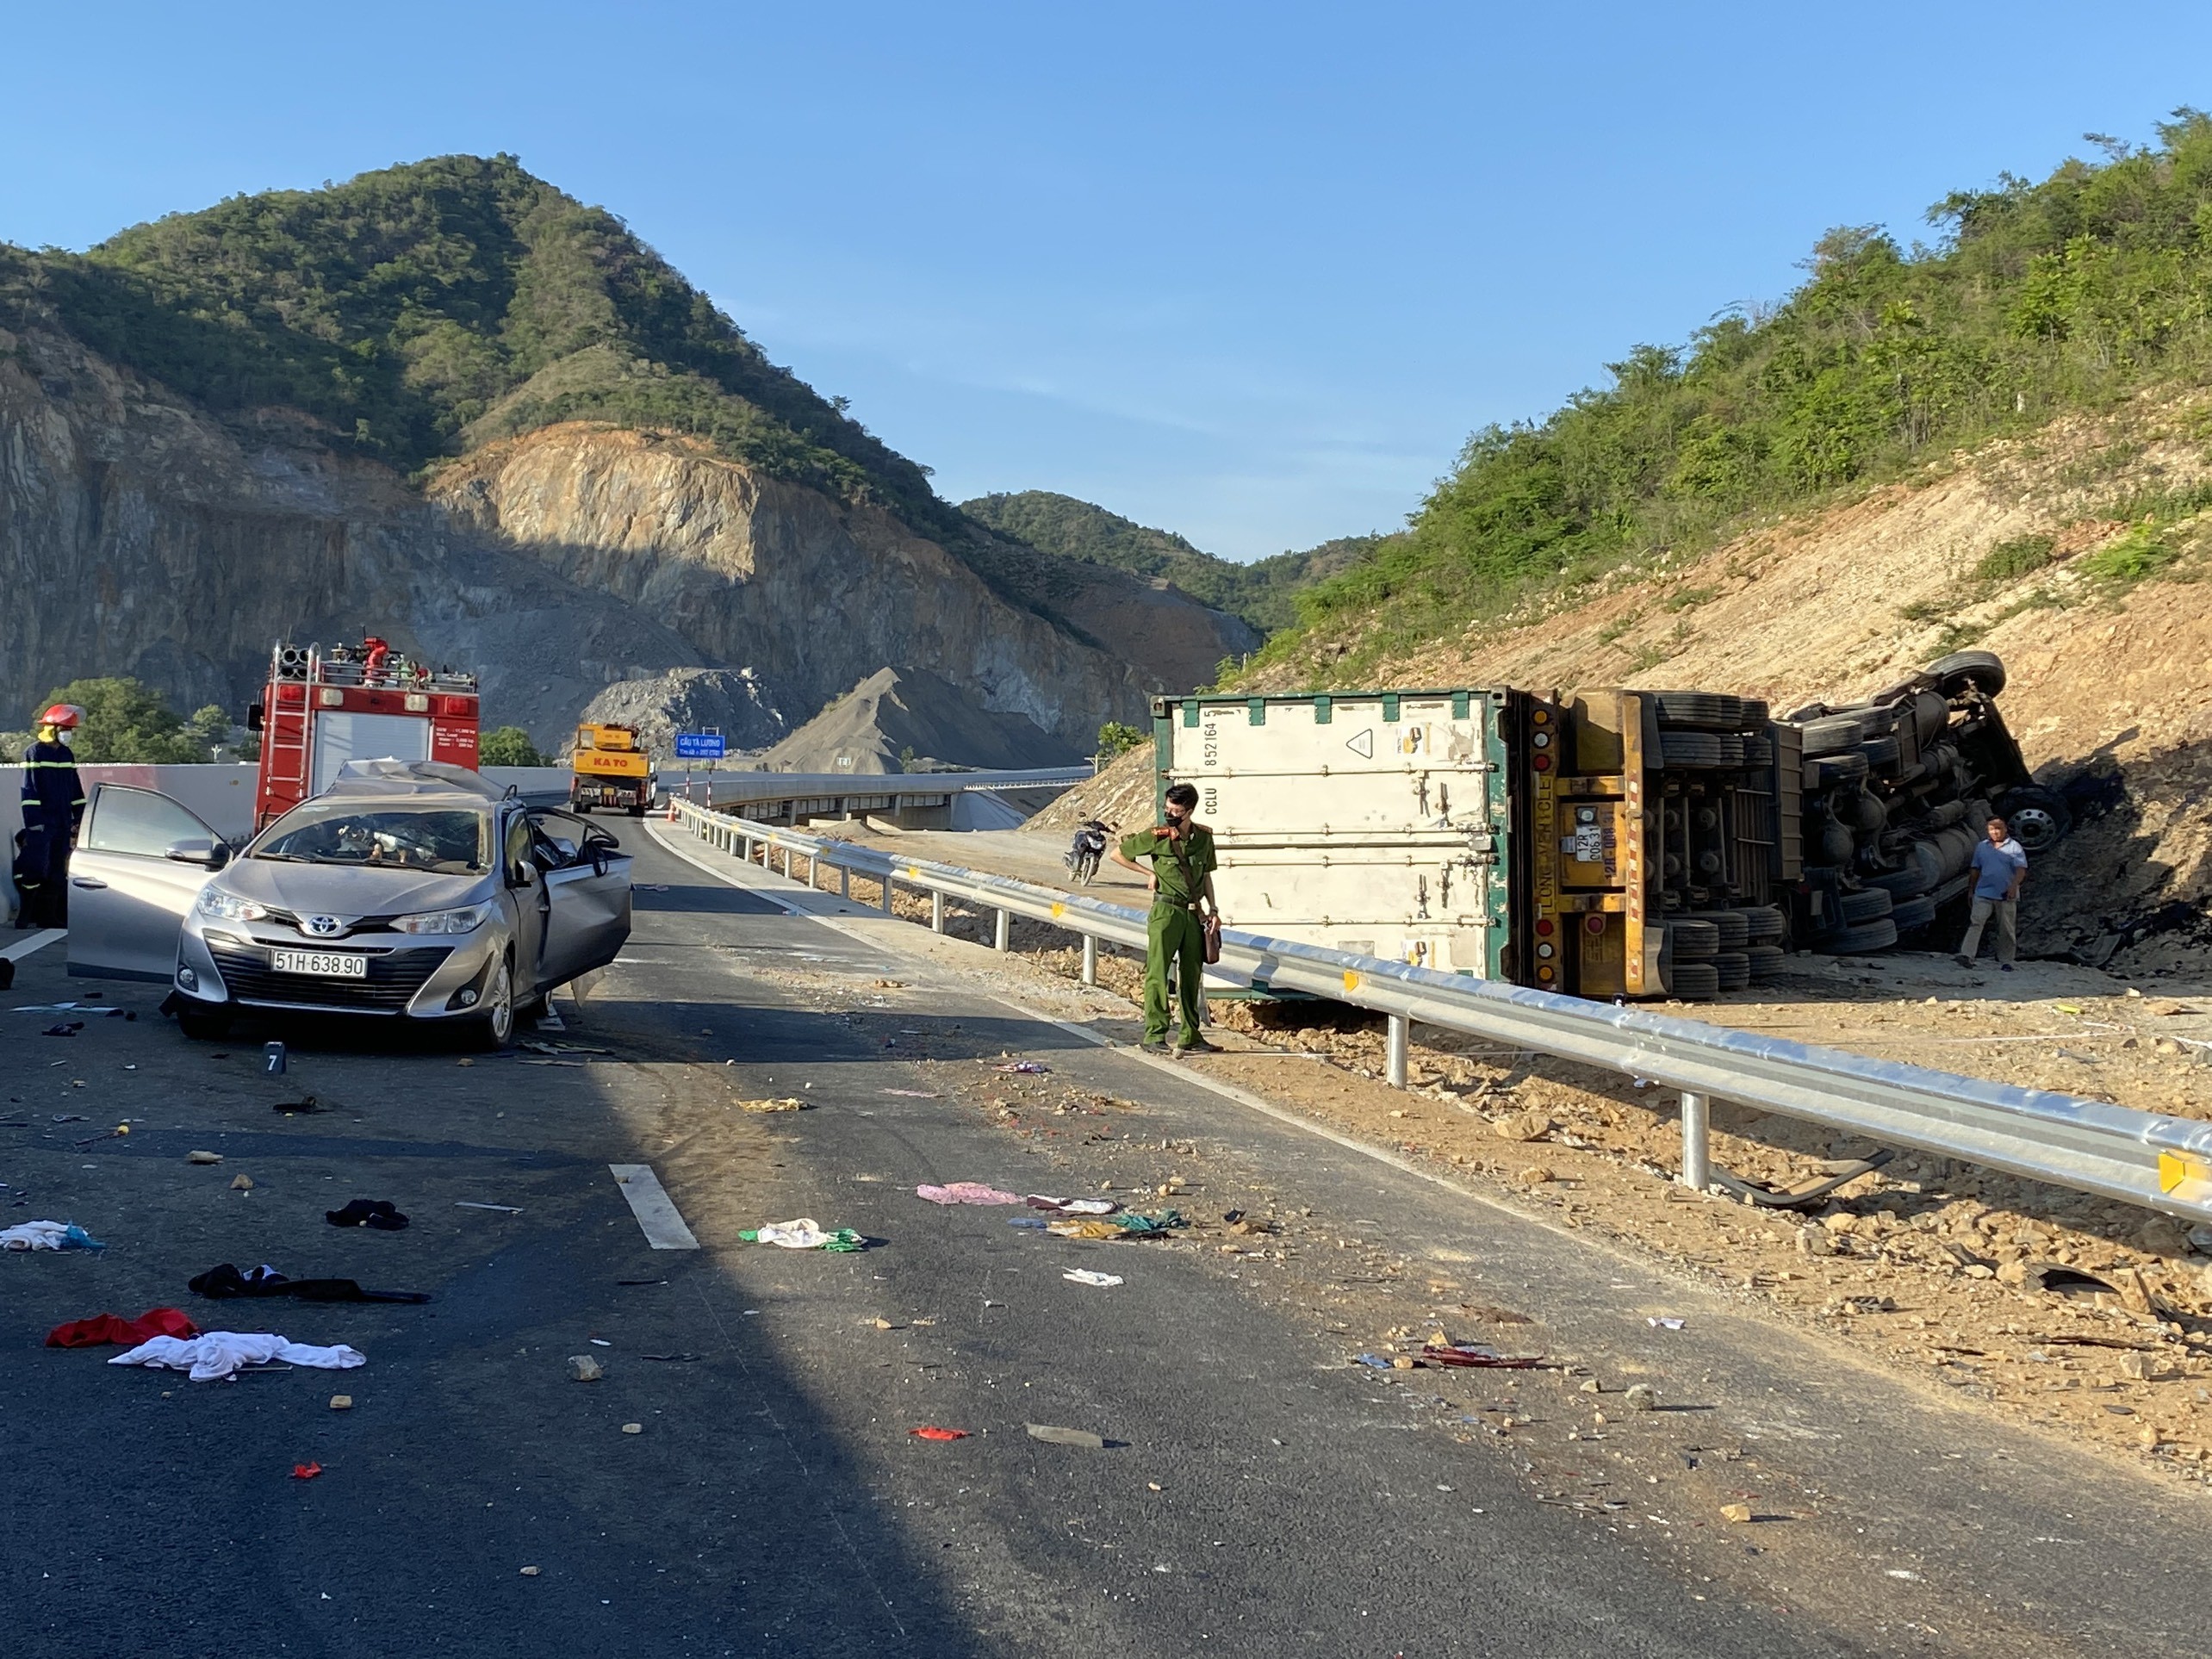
414	312
126	721
1260	592
509	746
2039	299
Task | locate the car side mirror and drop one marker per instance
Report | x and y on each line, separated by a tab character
207	855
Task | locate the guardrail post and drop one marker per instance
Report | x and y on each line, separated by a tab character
810	869
844	882
1697	1147
936	910
1394	1051
887	909
786	864
1090	959
1003	936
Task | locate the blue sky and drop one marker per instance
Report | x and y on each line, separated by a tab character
1250	272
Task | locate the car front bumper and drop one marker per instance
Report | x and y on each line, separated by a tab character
224	964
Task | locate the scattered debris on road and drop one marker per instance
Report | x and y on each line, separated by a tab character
1066	1437
378	1214
931	1431
966	1192
47	1235
1091	1276
805	1233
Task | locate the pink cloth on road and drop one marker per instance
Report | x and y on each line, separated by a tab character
966	1192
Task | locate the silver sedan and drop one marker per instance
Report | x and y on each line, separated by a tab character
407	891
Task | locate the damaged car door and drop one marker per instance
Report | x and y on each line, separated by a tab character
586	896
140	860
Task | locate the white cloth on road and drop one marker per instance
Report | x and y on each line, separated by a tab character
46	1235
219	1354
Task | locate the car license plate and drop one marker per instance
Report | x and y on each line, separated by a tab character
331	964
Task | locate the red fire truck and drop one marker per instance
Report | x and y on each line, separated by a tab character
354	703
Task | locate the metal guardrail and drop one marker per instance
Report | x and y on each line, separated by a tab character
2114	1151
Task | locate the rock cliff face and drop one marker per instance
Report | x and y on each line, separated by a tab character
813	594
140	535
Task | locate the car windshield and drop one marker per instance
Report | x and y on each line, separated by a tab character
447	841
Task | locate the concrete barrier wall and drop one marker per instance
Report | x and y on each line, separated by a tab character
223	795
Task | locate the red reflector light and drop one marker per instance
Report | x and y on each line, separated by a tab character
456	706
1542	763
1543	927
1595	924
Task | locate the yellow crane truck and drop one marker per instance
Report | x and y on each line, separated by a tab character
610	769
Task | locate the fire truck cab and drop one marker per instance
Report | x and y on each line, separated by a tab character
355	703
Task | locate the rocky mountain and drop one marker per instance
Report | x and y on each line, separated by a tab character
914	721
448	404
1260	595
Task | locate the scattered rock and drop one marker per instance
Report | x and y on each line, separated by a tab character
1523	1126
1641	1396
203	1158
582	1368
1538	1176
1593	1386
1814	1242
633	1428
531	1572
1401	1362
241	1183
1842	1221
341	1402
1066	1437
1735	1513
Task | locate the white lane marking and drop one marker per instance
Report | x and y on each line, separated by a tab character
656	1213
22	947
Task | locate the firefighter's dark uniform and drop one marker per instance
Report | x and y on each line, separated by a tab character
53	804
1173	929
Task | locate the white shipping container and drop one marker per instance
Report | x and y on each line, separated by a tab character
1377	822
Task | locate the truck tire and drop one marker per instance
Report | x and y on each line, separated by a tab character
1733	968
1763	924
1758	751
1833	733
1859	941
1731	928
1924	869
2038	818
1755	713
1733	751
1694	982
1883	754
1690	939
1685	751
1827	771
1965	671
1698	710
1914	914
1766	961
1869	905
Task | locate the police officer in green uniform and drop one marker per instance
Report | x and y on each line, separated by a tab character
1181	880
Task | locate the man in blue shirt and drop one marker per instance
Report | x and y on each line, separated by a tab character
2000	866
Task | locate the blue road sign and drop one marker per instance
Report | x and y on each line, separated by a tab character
699	745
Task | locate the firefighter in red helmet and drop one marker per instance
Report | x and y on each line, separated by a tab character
53	805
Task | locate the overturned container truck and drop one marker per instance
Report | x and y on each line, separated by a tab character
1603	843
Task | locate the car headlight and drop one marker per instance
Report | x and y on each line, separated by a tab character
467	919
213	901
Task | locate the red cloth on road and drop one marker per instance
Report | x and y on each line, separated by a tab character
103	1328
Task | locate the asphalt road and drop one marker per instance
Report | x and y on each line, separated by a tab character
1257	1494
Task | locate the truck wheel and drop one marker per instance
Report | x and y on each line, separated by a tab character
1827	771
1859	941
1693	981
1914	914
1870	905
1731	928
1924	869
1733	968
1965	671
1699	710
1883	754
1683	750
1691	939
1758	751
1766	961
2038	817
1763	925
1833	733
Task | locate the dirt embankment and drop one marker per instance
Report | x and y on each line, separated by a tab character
2104	622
